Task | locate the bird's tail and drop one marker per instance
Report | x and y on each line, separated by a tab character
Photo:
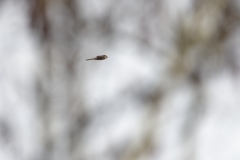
90	59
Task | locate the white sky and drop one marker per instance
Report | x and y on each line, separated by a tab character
217	138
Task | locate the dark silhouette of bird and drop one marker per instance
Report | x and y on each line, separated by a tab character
101	57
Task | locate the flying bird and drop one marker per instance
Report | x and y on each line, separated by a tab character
101	57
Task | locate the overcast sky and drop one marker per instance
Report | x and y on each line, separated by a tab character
112	89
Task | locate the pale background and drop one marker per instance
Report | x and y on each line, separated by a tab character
170	89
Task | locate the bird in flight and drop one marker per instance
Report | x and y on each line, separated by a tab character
101	57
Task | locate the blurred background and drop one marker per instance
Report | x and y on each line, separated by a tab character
169	90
